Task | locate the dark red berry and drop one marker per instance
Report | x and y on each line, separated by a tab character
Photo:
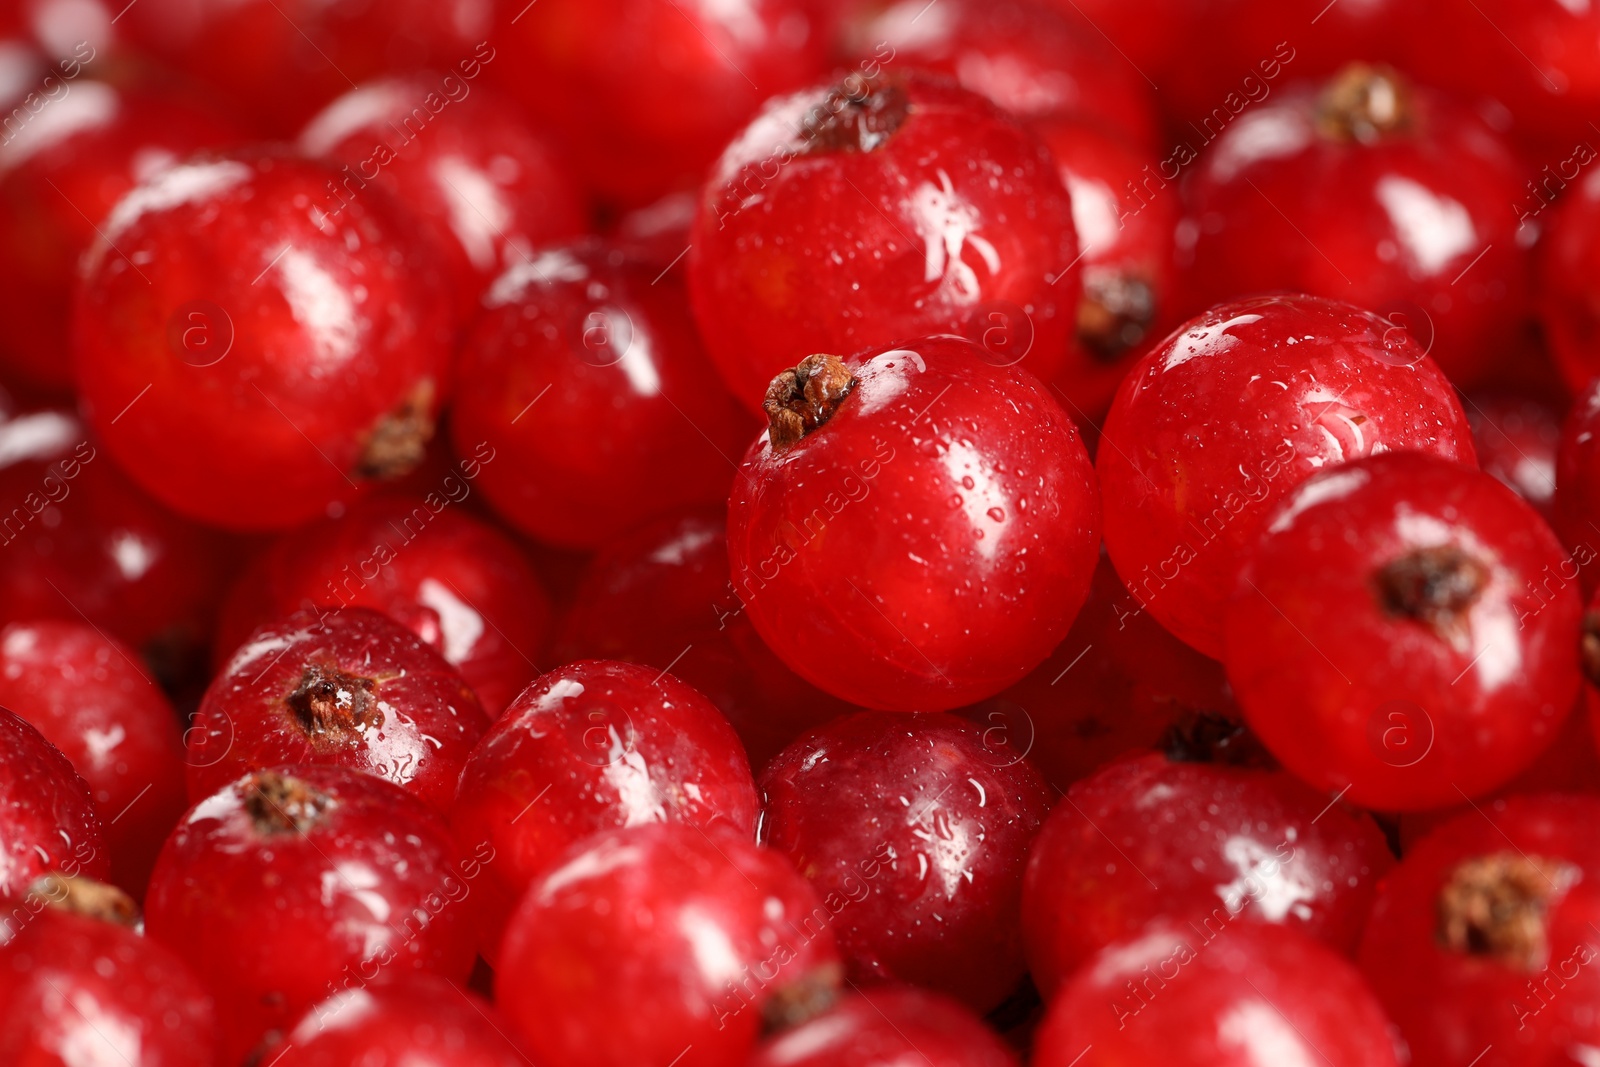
47	820
588	747
1517	439
884	1027
917	529
918	827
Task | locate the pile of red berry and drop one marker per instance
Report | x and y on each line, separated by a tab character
799	533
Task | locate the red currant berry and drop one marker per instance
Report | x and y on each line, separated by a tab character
588	747
77	989
919	828
659	596
1570	306
1244	995
249	356
1118	683
487	187
1577	495
1516	438
457	582
89	697
1151	836
47	820
902	203
1482	942
884	1027
663	942
1430	654
1129	276
281	60
1030	59
60	173
917	529
658	233
350	688
646	95
420	1019
1229	414
637	422
1372	191
289	885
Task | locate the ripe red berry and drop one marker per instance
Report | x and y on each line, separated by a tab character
1230	413
1206	844
90	698
487	188
918	527
60	173
346	687
659	596
918	827
291	885
1370	190
466	589
636	423
250	357
1431	651
646	95
1482	942
1577	495
420	1019
1240	996
887	1026
1517	438
904	205
588	747
47	820
1568	256
663	942
77	989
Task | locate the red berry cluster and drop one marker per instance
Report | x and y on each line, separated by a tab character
799	533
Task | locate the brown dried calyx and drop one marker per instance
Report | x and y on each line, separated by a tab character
332	701
800	400
1211	737
1435	586
857	115
280	804
801	1000
1365	103
399	439
1498	906
86	897
1116	312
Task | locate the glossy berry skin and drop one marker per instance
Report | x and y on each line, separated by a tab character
290	355
918	208
930	543
1577	495
1569	302
1149	836
279	62
1219	422
349	688
421	1019
1515	984
463	587
1029	58
1130	297
47	820
81	540
636	422
609	959
659	596
1516	438
591	746
287	886
919	828
1240	996
487	187
1117	683
1431	653
62	173
78	989
645	95
88	695
1297	194
886	1026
